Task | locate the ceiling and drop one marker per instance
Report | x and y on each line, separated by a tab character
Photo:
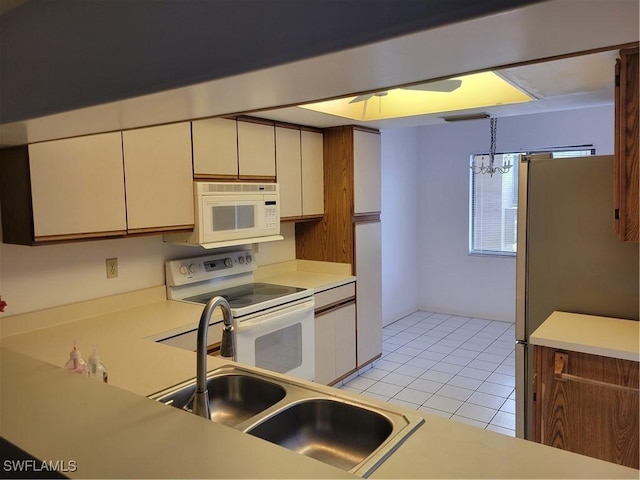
515	37
575	82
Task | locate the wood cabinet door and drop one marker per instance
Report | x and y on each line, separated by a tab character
215	149
368	268
367	173
587	404
159	178
289	171
77	187
312	173
256	151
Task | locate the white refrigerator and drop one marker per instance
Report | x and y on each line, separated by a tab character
568	256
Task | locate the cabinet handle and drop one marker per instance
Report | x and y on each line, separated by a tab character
561	361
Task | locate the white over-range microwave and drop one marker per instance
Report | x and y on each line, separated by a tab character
230	213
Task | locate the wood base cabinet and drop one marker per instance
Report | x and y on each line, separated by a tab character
587	404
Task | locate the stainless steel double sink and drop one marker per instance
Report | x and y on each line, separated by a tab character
355	436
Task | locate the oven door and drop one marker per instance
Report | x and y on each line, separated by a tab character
280	340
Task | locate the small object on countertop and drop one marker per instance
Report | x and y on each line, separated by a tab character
97	369
76	363
2	304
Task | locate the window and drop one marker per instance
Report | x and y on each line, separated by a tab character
494	202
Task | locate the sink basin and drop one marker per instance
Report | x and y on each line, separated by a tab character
233	398
316	421
331	431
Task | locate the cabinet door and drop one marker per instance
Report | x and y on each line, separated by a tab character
335	343
312	173
77	187
289	170
215	148
256	151
159	178
366	172
587	404
368	266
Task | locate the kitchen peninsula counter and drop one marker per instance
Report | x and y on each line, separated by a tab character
604	336
114	431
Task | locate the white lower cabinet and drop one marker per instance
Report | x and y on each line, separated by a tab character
368	260
335	334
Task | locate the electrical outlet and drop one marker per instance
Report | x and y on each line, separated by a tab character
112	267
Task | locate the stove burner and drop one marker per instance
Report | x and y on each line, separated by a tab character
272	290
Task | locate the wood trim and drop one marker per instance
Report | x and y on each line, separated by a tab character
335	306
290	126
214	177
378	356
618	223
372	217
307	128
342	377
214	349
172	228
302	218
257	178
250	119
80	236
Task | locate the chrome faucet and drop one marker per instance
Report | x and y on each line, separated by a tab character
227	349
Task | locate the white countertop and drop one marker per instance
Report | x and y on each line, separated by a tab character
608	337
114	431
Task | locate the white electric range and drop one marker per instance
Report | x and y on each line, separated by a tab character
275	323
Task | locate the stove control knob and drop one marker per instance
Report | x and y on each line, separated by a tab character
183	269
241	260
192	268
228	263
249	258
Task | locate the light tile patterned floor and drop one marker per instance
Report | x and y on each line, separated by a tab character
455	367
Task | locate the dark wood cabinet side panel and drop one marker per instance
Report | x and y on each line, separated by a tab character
597	421
630	133
15	196
331	239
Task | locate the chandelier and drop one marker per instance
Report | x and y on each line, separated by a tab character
491	168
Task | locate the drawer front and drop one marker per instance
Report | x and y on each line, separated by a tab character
335	295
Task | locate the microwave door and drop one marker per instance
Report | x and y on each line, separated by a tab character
228	220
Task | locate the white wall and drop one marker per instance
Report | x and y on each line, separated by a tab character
450	280
33	278
399	223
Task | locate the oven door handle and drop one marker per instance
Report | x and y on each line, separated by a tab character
281	317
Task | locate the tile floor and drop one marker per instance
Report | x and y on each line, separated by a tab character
456	367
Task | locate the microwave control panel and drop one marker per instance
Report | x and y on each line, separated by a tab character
271	217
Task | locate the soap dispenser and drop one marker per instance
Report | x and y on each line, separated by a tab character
76	363
97	370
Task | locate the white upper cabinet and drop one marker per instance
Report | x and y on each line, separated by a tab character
77	187
159	178
312	173
215	148
367	172
256	151
289	171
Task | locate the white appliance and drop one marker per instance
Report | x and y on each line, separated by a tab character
275	322
230	213
569	258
